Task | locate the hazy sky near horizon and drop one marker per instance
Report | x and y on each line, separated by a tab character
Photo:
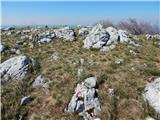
73	13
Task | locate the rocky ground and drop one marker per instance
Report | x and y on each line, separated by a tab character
90	73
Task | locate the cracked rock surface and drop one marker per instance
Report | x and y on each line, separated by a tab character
85	100
15	68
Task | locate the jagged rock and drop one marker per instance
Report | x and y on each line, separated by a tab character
152	94
90	82
15	68
40	82
114	35
84	31
123	36
65	33
44	37
25	100
85	101
117	35
106	39
97	38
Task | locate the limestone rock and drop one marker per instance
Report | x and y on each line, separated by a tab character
15	68
65	33
114	35
84	31
97	38
90	82
40	82
85	100
152	94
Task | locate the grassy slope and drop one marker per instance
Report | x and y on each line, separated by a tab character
127	80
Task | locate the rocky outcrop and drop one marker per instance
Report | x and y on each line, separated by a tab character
113	34
152	94
15	68
97	38
44	37
85	100
65	33
106	39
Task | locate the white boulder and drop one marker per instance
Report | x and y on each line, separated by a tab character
90	82
40	82
152	94
114	35
123	36
97	38
85	101
106	39
65	33
15	68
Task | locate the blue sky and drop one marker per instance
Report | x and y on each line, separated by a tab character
87	13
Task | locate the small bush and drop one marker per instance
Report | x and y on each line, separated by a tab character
138	27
